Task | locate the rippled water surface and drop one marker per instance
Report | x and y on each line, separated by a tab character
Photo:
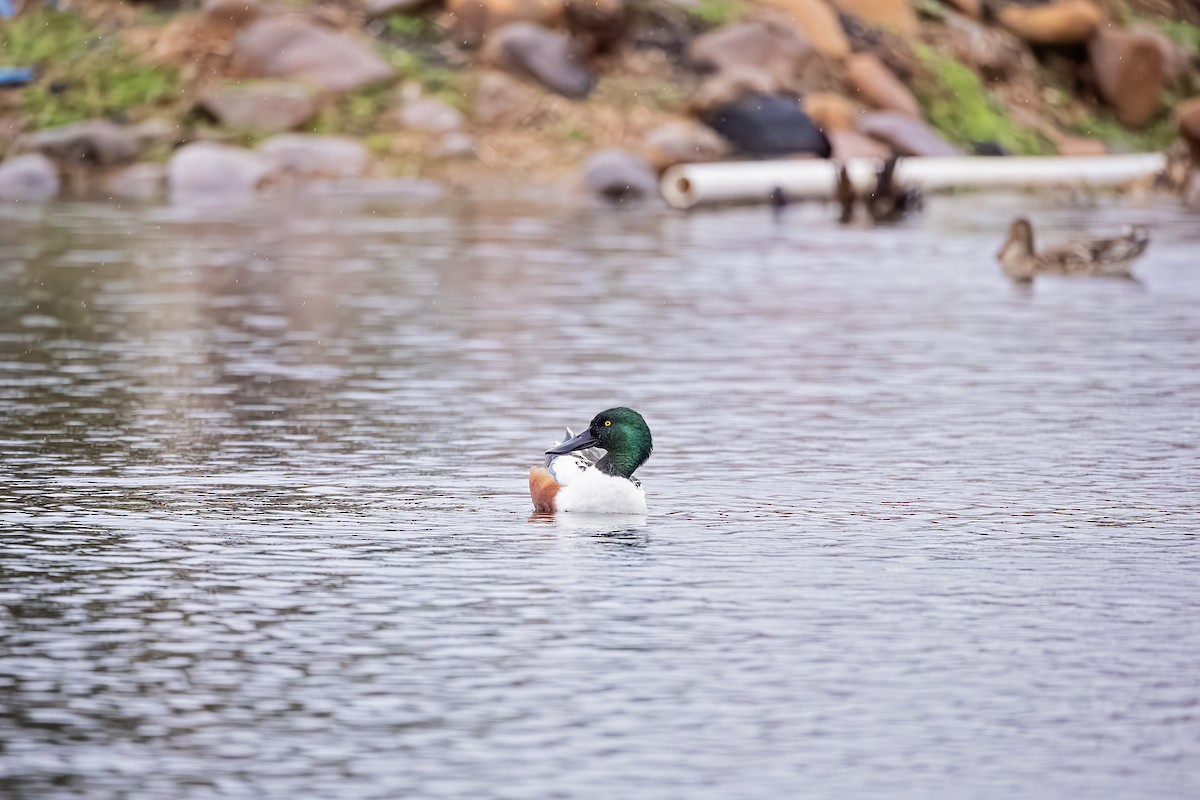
914	533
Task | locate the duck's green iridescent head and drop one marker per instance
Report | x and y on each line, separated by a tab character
622	433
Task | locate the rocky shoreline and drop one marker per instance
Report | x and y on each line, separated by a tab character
235	98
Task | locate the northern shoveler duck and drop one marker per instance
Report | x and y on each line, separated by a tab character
1109	257
577	478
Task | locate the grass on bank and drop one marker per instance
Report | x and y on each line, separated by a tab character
956	103
83	71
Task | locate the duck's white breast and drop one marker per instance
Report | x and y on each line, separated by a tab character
596	493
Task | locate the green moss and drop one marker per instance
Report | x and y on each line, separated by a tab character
1184	34
83	71
1106	128
418	29
715	13
956	103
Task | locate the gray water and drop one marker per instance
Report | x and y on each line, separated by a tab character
914	532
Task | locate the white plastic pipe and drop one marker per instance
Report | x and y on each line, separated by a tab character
688	185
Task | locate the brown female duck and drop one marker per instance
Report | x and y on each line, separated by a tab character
1109	257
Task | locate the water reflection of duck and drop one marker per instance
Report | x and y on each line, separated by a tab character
1104	257
577	478
888	202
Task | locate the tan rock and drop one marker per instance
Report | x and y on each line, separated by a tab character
1080	146
817	22
772	48
683	142
292	48
473	20
1062	22
971	8
892	15
852	144
832	112
1130	73
878	87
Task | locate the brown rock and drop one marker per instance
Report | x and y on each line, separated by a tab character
1130	74
1176	60
683	142
817	22
892	15
832	112
315	157
292	48
905	135
852	144
1061	22
500	100
1080	146
531	51
237	12
1187	116
267	106
878	87
473	20
770	47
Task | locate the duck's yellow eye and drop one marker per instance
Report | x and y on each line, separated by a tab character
607	422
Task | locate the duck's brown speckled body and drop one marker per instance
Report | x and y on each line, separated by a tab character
1107	257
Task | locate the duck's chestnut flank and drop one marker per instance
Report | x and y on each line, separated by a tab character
576	477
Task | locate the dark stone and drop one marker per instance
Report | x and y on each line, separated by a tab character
767	125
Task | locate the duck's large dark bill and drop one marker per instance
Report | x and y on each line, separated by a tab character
581	441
